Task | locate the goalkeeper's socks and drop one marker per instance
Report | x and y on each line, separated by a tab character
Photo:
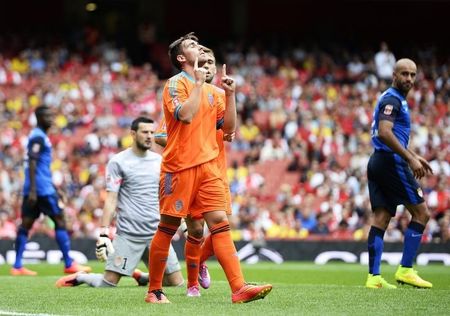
93	279
192	250
159	251
207	249
413	236
63	240
21	241
375	248
226	254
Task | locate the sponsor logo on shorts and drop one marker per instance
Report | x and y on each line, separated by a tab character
178	205
118	261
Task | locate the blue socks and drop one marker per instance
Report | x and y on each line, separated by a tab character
375	247
413	236
21	241
62	237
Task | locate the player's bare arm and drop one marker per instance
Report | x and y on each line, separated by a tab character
190	107
32	196
229	85
387	136
423	161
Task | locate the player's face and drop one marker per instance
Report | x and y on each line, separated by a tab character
210	66
192	50
404	77
143	137
46	119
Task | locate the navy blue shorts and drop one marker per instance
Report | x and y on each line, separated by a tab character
47	204
391	182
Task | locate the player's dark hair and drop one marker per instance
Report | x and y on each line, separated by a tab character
175	48
208	50
41	110
139	120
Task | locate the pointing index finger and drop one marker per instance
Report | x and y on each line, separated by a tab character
224	70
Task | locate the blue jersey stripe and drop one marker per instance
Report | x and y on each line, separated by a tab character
399	164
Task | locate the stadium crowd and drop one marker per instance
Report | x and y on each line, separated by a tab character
297	168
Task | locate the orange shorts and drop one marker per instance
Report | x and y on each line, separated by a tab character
192	191
228	198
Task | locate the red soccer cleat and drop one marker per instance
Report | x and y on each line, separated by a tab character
75	267
68	280
250	292
156	297
137	276
22	271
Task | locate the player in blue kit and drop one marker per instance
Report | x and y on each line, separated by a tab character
391	172
40	196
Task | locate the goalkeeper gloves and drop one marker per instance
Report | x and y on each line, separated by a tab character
104	247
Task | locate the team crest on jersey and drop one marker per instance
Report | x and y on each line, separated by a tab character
420	192
388	109
210	99
178	205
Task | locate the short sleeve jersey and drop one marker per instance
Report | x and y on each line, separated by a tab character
392	106
136	180
39	148
190	145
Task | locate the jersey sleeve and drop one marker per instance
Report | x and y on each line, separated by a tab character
220	100
389	108
162	129
176	93
114	176
35	146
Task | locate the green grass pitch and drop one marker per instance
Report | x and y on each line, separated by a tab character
298	289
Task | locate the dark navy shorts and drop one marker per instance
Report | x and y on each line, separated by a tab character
391	182
47	204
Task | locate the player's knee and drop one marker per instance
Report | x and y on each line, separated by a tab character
196	232
173	279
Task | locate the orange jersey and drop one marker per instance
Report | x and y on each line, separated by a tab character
222	158
161	131
190	145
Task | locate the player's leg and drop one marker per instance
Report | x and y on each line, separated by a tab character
52	209
159	251
172	274
383	210
408	192
207	249
375	243
29	215
175	196
226	254
192	252
413	236
122	262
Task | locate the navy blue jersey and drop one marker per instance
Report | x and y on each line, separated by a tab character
39	148
391	106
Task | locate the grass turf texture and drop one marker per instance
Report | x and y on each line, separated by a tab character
299	289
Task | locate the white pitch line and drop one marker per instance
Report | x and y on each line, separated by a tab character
3	312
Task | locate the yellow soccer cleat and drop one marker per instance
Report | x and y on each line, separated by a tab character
411	277
377	282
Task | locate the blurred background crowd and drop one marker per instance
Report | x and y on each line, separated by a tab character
297	168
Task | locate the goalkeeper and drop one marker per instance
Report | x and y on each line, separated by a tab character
132	184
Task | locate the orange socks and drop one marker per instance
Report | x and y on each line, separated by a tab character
192	251
159	251
207	249
226	254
